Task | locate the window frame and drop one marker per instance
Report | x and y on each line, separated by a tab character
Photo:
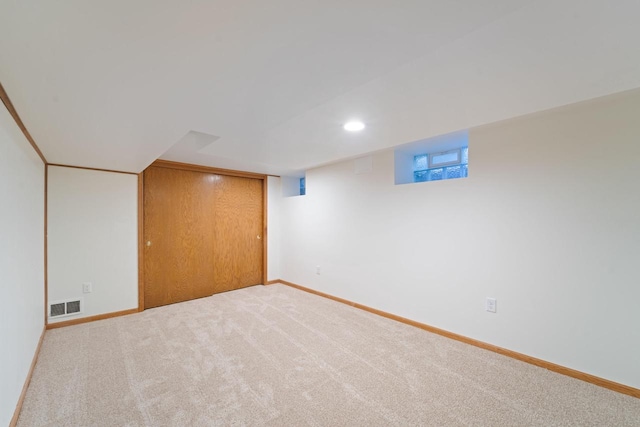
441	167
433	165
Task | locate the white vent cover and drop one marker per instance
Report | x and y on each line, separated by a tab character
65	308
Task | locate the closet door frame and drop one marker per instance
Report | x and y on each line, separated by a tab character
194	168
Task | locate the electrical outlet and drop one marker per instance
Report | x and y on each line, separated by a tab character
317	269
87	288
491	305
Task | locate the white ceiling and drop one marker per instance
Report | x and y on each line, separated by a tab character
265	86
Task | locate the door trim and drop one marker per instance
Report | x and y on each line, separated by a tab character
206	169
194	168
265	232
141	241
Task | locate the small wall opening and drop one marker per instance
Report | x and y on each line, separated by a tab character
294	185
433	159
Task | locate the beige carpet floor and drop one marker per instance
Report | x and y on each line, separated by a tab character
277	356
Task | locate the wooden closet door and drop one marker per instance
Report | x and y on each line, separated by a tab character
178	238
238	227
201	234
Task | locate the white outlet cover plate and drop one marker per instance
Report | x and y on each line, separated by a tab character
491	305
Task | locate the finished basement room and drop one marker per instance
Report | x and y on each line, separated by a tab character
319	213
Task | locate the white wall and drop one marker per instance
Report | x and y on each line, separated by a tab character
274	197
93	237
547	223
21	260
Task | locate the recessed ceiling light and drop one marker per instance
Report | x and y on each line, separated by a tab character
353	126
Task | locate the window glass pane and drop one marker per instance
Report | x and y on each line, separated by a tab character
435	174
465	155
420	176
453	172
303	189
420	162
447	157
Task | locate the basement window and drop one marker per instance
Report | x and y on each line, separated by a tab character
432	159
450	164
293	186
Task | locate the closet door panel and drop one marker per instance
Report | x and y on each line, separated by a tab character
238	225
202	234
178	230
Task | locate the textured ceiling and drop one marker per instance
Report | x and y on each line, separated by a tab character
266	86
